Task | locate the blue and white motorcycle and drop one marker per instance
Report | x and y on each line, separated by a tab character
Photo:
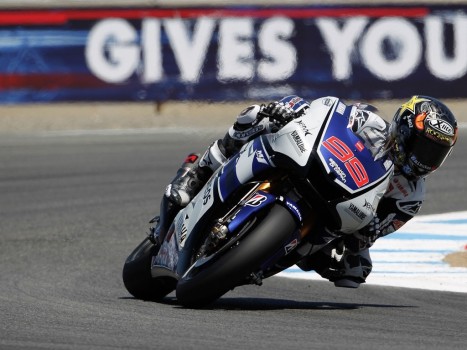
264	210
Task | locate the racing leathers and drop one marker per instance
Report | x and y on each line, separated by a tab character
346	261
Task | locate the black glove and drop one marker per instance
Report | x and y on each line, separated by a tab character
365	237
372	229
278	112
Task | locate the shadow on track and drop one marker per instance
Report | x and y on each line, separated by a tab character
264	304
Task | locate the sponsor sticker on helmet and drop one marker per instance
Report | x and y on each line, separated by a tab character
410	105
441	125
439	136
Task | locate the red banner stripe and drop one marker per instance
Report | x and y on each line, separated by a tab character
48	81
57	17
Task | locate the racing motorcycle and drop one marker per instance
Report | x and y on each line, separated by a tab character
264	210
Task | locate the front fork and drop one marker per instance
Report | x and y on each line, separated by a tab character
299	244
295	202
168	211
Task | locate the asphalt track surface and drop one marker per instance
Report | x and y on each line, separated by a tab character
74	206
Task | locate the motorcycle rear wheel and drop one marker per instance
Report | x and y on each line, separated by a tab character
137	276
208	284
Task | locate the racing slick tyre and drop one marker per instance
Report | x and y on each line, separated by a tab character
205	285
137	276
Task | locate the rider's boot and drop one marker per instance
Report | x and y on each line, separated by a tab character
355	267
194	174
339	264
191	177
169	207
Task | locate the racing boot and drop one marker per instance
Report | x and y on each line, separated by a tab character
322	262
320	257
171	203
339	264
355	267
193	174
187	181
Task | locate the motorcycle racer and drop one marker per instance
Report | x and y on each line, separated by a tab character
421	135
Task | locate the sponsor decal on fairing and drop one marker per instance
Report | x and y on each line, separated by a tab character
260	157
337	170
356	212
303	126
256	200
300	145
291	246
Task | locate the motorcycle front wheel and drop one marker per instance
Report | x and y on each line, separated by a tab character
137	276
205	285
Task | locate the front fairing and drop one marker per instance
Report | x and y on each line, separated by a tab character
293	146
343	175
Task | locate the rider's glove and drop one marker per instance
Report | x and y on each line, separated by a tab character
365	237
278	112
372	229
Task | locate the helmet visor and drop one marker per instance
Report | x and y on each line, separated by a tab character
427	155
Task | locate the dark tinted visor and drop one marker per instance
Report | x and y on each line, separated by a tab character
428	154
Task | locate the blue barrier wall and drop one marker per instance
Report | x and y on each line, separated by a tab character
234	53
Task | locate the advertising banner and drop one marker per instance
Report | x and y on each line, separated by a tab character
233	53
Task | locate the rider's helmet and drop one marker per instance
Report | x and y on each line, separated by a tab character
423	132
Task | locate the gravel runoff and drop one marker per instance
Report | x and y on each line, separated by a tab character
100	116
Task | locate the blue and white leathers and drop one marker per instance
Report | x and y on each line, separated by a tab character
318	147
